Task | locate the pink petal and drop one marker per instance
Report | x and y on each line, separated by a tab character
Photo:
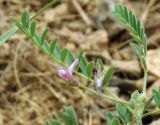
72	66
64	74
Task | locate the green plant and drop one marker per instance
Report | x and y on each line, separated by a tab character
129	111
68	117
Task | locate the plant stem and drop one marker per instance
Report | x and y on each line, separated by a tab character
149	101
53	2
117	100
156	111
145	81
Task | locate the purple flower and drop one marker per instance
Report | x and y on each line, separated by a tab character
67	74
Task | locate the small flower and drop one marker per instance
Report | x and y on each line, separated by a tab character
98	83
99	79
67	74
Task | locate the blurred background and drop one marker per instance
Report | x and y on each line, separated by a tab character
30	89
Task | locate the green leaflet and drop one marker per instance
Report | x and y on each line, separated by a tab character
156	97
54	116
33	28
108	75
57	51
47	123
89	68
19	25
82	63
72	114
138	50
45	46
63	54
55	122
43	37
52	45
25	19
70	58
99	64
66	118
115	121
7	35
124	113
111	120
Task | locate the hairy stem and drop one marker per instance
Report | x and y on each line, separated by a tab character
156	111
145	81
117	100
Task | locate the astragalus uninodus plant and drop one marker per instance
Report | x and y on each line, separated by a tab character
131	111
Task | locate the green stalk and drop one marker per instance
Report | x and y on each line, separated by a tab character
145	81
103	95
52	3
156	111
